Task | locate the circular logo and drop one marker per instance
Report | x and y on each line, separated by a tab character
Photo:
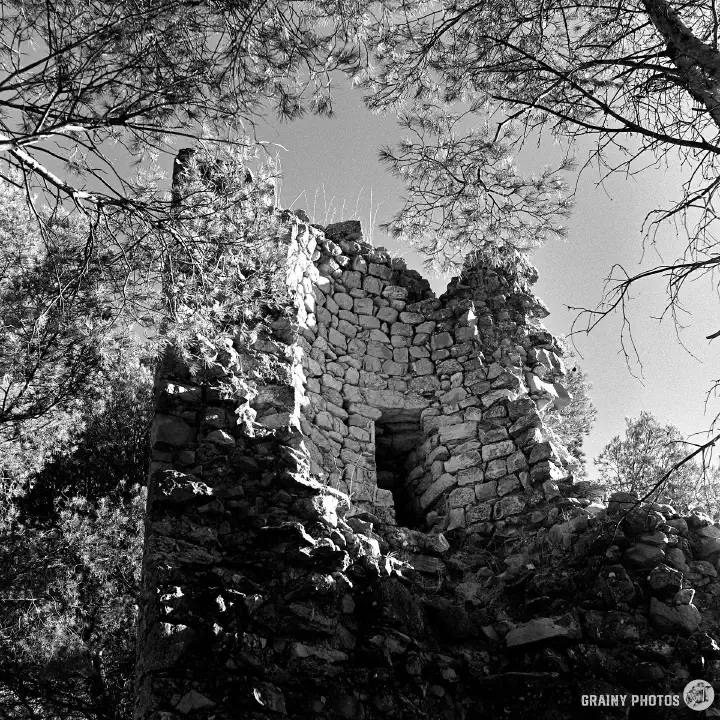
698	695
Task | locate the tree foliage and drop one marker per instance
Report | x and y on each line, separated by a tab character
68	595
95	96
64	308
638	462
105	450
52	322
465	189
86	84
71	545
641	79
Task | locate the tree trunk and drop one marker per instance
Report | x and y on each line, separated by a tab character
698	62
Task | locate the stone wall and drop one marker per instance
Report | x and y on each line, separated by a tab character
462	378
385	528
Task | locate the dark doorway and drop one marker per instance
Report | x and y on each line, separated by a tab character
397	439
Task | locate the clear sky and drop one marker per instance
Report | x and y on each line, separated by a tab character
328	162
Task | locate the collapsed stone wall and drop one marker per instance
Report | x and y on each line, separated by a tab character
387	529
454	384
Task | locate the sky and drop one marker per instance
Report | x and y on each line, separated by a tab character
330	169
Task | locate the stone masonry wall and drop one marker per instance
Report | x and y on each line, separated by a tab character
470	369
385	528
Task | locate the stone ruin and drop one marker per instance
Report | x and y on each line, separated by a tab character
395	533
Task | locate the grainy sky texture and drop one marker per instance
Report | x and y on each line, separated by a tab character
330	168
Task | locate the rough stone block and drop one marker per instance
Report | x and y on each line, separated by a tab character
684	619
383	498
379	350
709	531
561	535
369	321
496	469
676	558
550	490
658	538
337	339
424	563
508	506
543	451
462	496
378	336
192	701
465	333
684	597
351	279
443	484
564	627
525	423
382	271
486	491
356	347
494	396
423	366
456	518
462	461
363	306
707	548
329	381
529	438
441	340
390	367
508	484
516	462
412	318
454	396
495	369
387	314
372	364
438	453
479	513
665	581
348	316
498	450
169	430
337	411
642	555
460	431
394	292
467	446
470	476
401	328
468	591
545	470
451	367
373	285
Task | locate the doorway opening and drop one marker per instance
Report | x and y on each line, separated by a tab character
397	437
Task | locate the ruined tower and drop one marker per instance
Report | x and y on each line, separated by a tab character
385	527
